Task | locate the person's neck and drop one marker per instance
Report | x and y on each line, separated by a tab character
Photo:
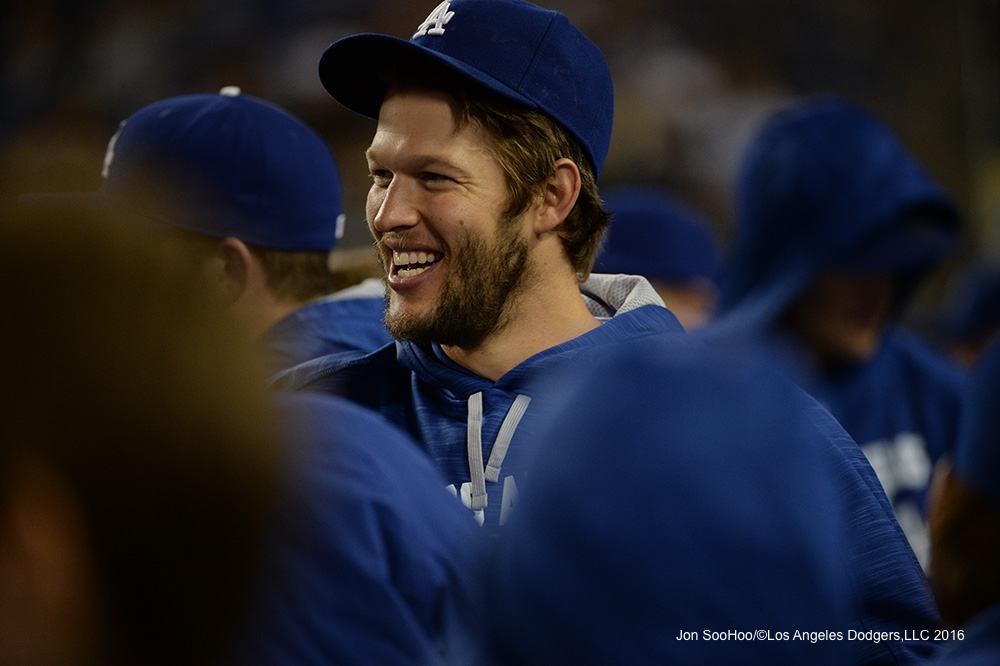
542	317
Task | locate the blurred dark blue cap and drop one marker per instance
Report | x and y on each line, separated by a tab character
654	235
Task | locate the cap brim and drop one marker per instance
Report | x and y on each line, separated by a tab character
352	71
903	252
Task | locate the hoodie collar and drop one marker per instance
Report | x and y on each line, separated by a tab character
606	296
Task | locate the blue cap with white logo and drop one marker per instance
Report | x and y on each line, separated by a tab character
526	54
227	164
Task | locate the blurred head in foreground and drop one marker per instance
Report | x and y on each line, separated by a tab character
136	451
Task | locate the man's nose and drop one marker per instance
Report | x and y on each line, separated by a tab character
392	207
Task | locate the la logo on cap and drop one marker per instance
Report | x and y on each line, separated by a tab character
434	24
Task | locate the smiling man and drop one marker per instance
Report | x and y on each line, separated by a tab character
494	120
485	213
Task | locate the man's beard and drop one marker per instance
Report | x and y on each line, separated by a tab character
483	279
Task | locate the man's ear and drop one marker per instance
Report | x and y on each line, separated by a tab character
561	192
237	261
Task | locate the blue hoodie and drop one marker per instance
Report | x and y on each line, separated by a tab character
349	320
456	414
825	186
648	540
434	399
365	550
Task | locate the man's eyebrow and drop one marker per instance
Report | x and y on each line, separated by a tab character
437	162
422	162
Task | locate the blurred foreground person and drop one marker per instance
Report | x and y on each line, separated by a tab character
137	454
965	525
637	539
139	465
366	551
654	235
837	226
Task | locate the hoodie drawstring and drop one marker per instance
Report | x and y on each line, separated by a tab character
474	438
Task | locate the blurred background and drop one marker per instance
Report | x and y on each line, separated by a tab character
693	78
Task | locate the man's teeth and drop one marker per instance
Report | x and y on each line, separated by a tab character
414	260
406	258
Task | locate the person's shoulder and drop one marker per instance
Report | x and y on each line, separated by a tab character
350	436
348	453
352	320
326	372
675	366
367	298
340	311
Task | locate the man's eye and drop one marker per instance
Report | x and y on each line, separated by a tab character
380	177
432	177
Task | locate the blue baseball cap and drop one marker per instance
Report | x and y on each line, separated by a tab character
227	164
655	235
526	54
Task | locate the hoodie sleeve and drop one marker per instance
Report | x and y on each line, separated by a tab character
366	551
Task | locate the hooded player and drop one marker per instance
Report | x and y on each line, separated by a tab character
837	225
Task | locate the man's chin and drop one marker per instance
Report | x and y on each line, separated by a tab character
407	326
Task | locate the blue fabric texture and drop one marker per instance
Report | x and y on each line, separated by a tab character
424	392
528	55
366	548
825	186
651	512
326	326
